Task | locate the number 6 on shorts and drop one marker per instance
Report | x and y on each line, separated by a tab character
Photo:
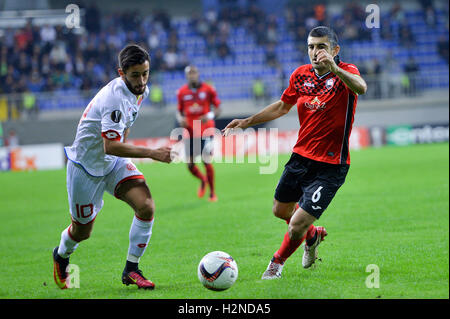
316	195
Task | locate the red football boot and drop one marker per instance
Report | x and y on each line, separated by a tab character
60	274
136	278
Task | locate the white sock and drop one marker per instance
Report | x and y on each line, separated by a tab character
140	233
67	245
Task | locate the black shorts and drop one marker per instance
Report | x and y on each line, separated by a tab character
311	183
195	146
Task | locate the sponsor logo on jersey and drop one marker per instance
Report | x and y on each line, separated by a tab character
309	84
116	116
187	97
202	95
315	104
111	135
195	108
131	167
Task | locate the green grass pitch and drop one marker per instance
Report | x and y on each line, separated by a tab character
393	211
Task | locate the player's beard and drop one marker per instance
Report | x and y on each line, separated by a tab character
194	85
134	90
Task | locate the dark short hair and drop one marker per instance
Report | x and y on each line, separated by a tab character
131	55
323	31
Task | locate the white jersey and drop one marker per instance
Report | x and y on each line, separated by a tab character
108	115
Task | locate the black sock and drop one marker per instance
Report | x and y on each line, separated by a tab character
311	241
131	266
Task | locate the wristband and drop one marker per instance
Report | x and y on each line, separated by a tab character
210	115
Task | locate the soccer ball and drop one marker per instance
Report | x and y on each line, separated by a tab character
217	271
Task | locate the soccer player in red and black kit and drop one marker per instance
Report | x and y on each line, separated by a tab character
198	106
326	92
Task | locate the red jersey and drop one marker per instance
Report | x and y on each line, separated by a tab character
194	103
326	108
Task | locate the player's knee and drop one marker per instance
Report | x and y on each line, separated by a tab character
276	211
280	212
146	209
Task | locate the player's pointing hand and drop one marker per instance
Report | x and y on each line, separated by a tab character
162	154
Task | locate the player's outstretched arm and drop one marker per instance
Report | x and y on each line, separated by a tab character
269	113
117	148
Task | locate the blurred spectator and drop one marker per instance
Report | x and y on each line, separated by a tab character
390	75
406	36
199	24
443	47
411	70
272	30
36	84
349	29
12	140
173	40
29	104
157	61
397	14
258	91
211	45
156	95
271	56
23	37
58	55
3	61
1	135
429	12
223	50
170	59
161	17
281	75
92	17
48	34
374	76
183	61
153	40
320	13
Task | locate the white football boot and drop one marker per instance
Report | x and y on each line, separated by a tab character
273	270
310	254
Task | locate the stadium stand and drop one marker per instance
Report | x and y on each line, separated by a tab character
232	48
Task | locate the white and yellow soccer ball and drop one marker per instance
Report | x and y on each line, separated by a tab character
217	271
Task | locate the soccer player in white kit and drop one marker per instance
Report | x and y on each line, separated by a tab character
98	161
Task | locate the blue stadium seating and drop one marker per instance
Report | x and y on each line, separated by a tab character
233	76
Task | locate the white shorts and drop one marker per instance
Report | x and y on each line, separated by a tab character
85	192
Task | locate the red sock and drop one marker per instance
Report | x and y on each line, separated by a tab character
311	232
210	176
196	172
289	246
